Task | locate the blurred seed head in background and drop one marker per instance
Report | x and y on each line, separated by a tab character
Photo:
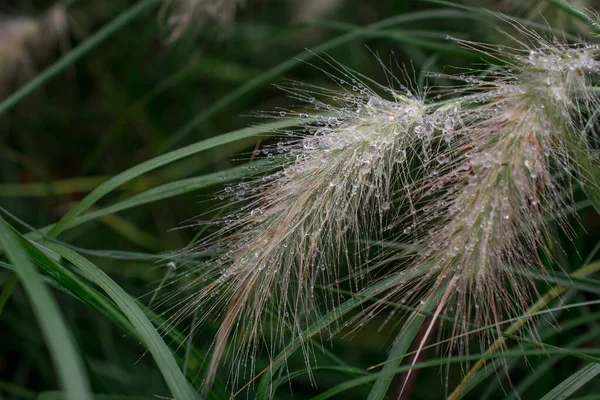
28	44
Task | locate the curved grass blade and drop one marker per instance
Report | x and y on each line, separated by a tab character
75	54
551	331
157	193
404	340
173	376
481	12
60	342
546	366
56	188
573	383
265	388
583	284
70	283
159	161
493	387
63	279
166	191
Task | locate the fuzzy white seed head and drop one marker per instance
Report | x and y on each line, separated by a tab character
471	182
507	157
295	226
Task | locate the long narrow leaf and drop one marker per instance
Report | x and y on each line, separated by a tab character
404	340
173	376
60	342
573	383
159	161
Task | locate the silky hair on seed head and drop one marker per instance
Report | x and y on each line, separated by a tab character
505	154
291	232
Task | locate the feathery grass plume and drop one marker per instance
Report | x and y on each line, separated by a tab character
505	156
293	231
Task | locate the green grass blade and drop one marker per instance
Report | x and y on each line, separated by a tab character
588	18
491	368
60	343
543	368
520	321
75	54
266	389
165	191
403	341
44	189
65	280
159	161
173	376
573	383
70	283
161	192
